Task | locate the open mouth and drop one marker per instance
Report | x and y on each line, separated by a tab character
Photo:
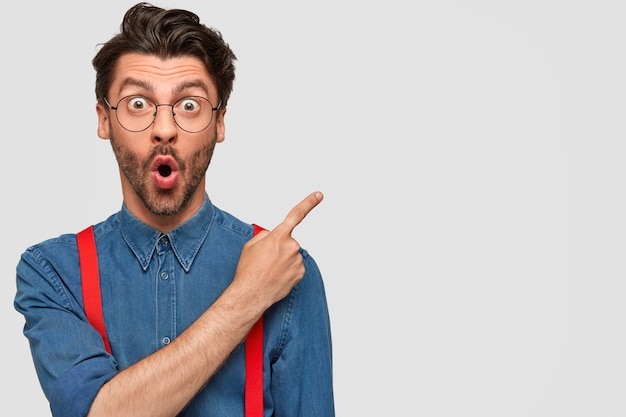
165	170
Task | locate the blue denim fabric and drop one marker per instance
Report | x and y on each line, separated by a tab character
154	286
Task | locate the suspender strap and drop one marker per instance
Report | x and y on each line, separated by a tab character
254	365
254	371
90	278
92	299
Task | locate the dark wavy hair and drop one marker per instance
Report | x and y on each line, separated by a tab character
147	29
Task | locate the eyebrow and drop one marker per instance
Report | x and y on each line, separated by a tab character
192	84
138	83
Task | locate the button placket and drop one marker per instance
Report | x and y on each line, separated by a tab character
166	292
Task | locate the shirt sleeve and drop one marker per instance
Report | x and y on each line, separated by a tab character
68	353
301	382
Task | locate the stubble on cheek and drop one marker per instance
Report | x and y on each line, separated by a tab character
130	166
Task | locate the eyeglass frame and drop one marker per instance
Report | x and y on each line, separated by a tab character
156	106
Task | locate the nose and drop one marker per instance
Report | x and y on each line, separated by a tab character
164	128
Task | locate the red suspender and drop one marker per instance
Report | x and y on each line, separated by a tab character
91	282
93	309
254	365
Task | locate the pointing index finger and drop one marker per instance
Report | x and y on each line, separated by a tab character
299	212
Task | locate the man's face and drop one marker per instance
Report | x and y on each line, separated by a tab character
162	167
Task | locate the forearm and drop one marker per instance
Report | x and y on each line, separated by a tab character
164	382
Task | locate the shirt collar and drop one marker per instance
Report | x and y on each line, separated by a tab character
185	240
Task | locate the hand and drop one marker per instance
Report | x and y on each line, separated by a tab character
270	264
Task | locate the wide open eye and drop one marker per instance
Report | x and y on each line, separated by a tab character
137	104
189	106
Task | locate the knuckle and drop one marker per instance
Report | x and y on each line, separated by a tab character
299	212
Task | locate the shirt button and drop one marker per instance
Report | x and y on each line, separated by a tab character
166	340
164	275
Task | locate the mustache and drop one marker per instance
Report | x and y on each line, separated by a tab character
158	150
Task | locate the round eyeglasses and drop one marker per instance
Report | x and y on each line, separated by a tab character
135	113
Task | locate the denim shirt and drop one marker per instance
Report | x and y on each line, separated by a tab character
154	286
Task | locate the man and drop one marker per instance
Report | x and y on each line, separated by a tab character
182	282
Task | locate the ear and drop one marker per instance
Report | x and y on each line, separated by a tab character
103	121
220	127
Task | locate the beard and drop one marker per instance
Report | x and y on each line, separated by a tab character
158	201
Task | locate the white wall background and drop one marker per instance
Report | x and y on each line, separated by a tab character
472	237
